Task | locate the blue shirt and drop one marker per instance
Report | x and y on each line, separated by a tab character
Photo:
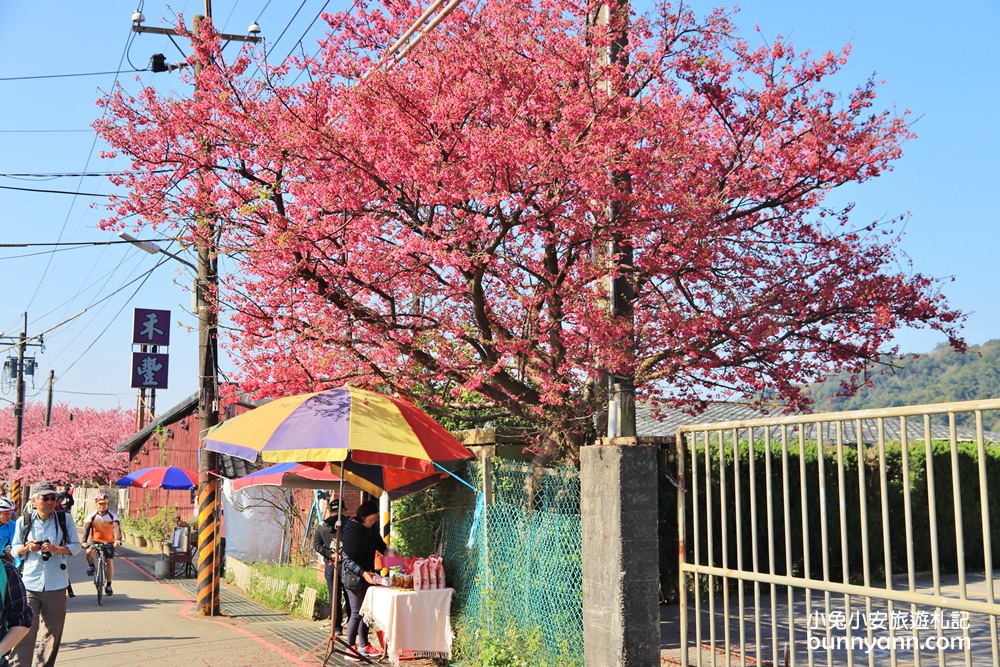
41	575
7	535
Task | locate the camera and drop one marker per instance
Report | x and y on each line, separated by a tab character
45	554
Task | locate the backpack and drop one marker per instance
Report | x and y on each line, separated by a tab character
27	516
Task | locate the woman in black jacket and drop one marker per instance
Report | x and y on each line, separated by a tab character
359	542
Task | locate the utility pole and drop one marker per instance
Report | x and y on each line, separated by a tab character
618	476
22	344
15	484
613	15
208	551
48	403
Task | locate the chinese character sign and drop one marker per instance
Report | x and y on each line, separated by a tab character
149	370
150	327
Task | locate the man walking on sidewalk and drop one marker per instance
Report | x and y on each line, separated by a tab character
43	539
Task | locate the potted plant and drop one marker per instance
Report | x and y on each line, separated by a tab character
128	530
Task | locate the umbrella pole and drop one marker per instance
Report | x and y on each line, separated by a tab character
335	593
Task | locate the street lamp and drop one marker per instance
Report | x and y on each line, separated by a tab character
153	248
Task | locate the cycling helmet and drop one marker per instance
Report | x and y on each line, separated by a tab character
101	496
7	505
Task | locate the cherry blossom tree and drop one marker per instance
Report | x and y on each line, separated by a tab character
439	228
78	446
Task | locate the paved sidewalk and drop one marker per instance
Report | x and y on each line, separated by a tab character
153	622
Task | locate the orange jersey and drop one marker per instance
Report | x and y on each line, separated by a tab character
102	526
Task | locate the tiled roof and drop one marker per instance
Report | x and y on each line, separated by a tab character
667	420
716	413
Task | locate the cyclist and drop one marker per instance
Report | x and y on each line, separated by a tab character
102	527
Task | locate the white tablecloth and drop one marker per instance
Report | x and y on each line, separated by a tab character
415	623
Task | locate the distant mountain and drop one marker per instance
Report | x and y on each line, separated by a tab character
940	376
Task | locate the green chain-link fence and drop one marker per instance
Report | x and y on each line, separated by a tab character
521	578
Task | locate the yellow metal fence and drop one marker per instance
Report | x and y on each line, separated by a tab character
854	538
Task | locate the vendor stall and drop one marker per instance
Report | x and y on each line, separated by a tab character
414	623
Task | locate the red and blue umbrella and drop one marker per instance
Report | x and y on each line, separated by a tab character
374	479
290	476
161	477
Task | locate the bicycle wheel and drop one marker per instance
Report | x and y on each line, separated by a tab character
99	578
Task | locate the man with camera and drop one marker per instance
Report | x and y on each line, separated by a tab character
43	539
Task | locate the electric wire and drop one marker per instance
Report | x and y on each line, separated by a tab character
54	175
306	31
64	76
288	25
111	320
90	155
40	131
75	193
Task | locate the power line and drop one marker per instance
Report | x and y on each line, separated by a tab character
306	31
80	174
70	243
55	192
39	131
289	25
63	76
90	154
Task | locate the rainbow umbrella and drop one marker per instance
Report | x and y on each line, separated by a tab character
336	425
289	476
161	477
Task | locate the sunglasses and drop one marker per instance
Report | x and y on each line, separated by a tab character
47	499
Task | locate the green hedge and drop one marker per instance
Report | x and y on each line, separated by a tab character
967	459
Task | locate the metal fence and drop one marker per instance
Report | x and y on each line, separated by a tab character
519	575
848	538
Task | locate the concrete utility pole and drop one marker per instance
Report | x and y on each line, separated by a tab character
618	490
208	552
621	388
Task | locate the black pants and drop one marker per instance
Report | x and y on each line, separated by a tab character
356	628
339	605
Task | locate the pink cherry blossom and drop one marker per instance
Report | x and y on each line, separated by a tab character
440	228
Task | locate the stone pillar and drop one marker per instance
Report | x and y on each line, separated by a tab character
618	511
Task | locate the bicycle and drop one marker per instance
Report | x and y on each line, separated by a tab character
100	569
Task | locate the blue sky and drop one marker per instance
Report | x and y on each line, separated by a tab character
940	63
